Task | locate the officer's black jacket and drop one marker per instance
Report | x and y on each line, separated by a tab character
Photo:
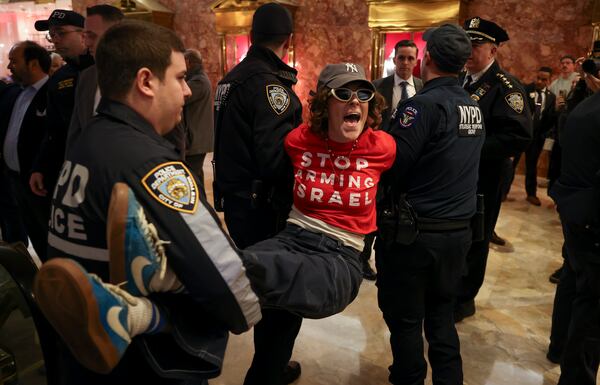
547	120
61	101
199	252
503	101
439	134
255	108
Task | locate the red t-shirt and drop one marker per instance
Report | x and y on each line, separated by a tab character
339	189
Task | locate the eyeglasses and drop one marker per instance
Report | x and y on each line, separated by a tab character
345	94
51	36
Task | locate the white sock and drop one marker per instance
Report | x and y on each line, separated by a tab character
144	317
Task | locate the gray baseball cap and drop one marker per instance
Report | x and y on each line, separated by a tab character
449	47
337	75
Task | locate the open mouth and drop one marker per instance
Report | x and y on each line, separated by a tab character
353	117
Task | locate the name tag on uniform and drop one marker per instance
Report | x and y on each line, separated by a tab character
470	121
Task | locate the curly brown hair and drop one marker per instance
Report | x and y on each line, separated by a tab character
319	123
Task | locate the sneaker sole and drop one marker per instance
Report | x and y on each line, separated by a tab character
115	229
62	282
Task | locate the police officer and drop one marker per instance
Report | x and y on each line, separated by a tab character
65	32
502	100
439	133
136	110
255	108
577	194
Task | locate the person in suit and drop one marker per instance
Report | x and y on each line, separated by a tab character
12	228
23	119
197	114
402	84
87	94
394	88
542	103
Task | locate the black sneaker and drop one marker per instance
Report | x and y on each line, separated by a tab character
555	277
292	372
367	271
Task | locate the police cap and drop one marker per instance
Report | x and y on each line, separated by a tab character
449	47
60	17
337	75
272	19
485	31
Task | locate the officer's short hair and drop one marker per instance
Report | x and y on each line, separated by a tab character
405	43
34	51
545	69
108	13
129	46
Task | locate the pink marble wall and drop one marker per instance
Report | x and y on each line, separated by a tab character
330	31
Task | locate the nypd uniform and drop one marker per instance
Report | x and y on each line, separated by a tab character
200	253
255	108
439	133
577	194
508	124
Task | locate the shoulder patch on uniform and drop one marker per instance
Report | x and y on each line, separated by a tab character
173	185
278	97
515	101
67	83
407	116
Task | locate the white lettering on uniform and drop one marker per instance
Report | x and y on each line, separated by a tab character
76	228
63	177
74	198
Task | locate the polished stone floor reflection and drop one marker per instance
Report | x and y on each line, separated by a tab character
504	343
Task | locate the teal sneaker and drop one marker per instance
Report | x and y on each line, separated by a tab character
137	255
89	315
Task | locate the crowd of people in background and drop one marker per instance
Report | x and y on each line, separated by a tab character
303	203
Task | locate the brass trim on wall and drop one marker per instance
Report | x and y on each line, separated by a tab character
234	17
387	16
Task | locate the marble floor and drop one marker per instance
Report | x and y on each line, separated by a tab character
504	343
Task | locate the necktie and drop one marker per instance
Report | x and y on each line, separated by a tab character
469	81
404	93
538	106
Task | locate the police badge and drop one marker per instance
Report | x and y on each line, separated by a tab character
474	23
515	101
278	97
173	185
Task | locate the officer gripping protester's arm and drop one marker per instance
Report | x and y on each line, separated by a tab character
425	214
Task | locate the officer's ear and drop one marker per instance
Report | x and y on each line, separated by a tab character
145	82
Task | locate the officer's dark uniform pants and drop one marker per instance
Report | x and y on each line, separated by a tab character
581	355
417	287
532	155
35	212
489	185
563	305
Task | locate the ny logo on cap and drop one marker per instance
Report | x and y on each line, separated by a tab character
58	15
350	67
474	23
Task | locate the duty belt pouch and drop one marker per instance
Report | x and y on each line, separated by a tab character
406	223
478	220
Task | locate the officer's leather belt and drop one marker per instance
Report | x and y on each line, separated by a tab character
430	225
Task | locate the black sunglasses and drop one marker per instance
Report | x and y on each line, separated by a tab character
345	94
